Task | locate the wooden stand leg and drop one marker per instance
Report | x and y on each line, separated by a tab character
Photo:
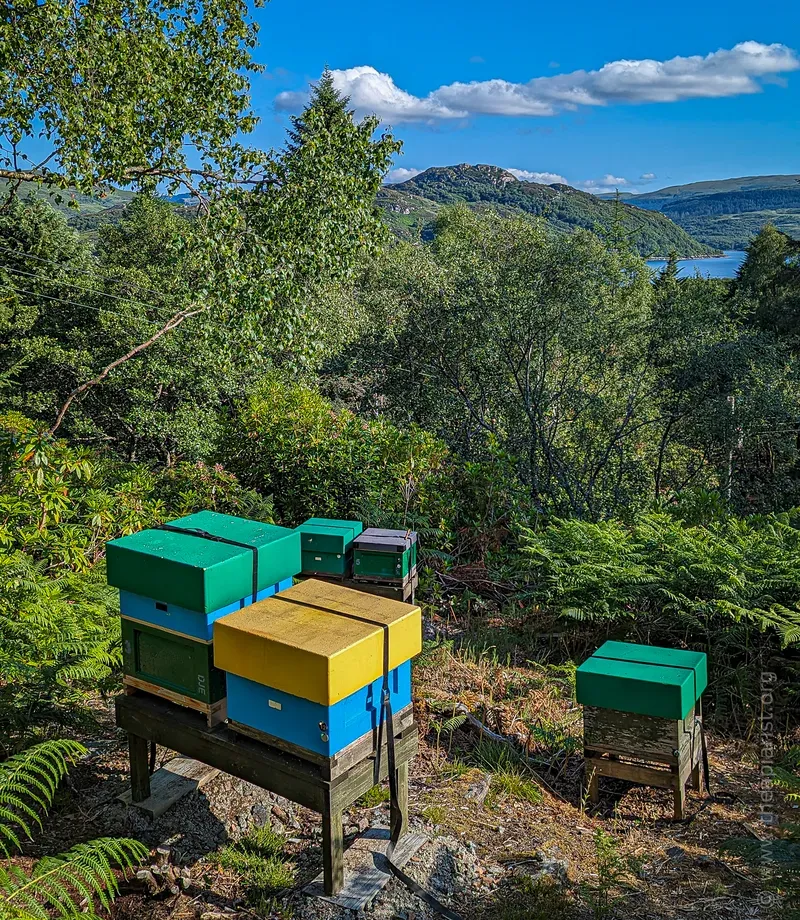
332	848
402	799
140	774
696	777
679	793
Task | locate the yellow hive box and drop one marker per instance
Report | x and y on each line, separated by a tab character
297	643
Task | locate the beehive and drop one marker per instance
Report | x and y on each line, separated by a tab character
181	620
175	585
153	658
305	667
200	574
386	555
326	545
660	682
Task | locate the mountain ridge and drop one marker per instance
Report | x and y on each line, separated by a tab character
411	206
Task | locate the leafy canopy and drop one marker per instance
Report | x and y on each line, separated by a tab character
121	90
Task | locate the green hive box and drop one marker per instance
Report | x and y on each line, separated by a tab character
327	544
646	680
385	554
201	574
176	663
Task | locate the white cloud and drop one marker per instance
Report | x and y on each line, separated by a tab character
544	178
476	59
727	72
400	174
606	185
372	92
648	177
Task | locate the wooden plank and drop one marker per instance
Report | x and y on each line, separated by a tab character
215	713
342	761
634	773
643	737
332	848
185	731
171	783
347	788
400	812
363	878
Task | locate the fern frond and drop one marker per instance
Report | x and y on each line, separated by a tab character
61	883
454	722
28	781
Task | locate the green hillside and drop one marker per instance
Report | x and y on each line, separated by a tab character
727	213
717	186
411	206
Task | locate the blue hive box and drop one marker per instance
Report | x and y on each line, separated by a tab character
181	620
325	730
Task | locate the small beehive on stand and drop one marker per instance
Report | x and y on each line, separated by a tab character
175	583
385	562
305	669
327	546
642	716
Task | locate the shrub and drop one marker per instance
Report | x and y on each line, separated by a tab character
289	442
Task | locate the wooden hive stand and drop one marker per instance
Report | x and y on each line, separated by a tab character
666	753
325	786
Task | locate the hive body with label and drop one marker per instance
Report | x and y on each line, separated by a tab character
308	667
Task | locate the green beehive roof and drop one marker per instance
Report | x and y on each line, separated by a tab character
198	573
642	679
327	535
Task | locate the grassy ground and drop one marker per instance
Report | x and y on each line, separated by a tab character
534	847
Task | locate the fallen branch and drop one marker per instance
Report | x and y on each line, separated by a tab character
176	320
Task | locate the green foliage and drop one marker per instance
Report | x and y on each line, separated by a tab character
120	94
769	280
612	874
730	213
511	775
28	783
740	570
289	442
258	860
377	795
59	505
60	884
529	348
59	641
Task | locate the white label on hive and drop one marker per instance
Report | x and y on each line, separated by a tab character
317	558
273	704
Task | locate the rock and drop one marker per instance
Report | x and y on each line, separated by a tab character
480	789
162	855
281	814
675	852
259	814
149	880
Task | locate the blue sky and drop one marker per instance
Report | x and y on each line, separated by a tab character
731	75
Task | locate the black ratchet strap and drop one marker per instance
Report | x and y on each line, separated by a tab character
205	535
384	861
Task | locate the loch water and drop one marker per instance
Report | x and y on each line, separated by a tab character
724	266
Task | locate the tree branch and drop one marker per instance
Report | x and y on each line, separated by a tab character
171	324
